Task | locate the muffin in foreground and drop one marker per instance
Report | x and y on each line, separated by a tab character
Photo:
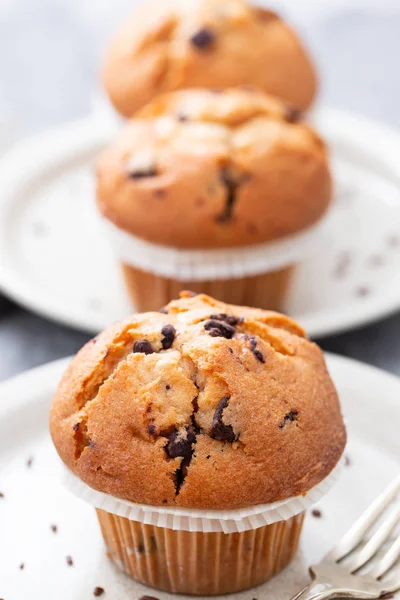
203	406
217	191
176	44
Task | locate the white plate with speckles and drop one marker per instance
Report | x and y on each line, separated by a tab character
55	260
34	499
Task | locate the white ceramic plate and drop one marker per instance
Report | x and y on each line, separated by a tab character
34	499
55	259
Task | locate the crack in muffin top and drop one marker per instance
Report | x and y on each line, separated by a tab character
208	169
207	405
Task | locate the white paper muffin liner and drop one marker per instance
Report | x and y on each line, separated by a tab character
189	519
220	263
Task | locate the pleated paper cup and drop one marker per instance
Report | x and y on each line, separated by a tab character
256	275
200	552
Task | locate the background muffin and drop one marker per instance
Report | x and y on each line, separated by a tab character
204	405
176	44
203	170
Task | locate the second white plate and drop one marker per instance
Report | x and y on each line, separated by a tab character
55	260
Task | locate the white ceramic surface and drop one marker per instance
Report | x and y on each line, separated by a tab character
55	259
35	498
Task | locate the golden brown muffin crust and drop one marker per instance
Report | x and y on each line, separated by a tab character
176	44
210	169
205	405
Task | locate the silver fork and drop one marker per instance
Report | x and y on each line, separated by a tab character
335	578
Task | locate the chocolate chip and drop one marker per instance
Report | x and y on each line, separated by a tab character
376	261
230	350
362	291
69	560
163	310
167	387
230	319
203	39
54	528
39	229
143	347
219	329
75	427
29	462
316	513
343	264
1	495
141	166
293	114
220	430
182	117
289	418
98	591
394	241
253	348
22	566
180	442
151	429
91	443
169	333
231	183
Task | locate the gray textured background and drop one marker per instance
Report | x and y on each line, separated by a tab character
49	56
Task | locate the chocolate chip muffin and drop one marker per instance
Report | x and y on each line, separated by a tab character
201	169
176	44
209	170
202	405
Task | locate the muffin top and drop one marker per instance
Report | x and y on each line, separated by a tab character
177	44
211	169
203	405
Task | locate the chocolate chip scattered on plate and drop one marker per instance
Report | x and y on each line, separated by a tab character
98	591
316	513
69	560
362	291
